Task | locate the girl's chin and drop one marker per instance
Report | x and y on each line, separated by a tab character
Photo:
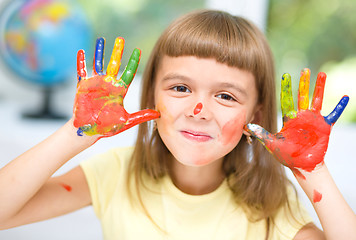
196	161
197	156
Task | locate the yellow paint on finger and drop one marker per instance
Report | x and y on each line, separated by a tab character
115	60
303	95
287	104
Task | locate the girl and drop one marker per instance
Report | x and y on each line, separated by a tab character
192	173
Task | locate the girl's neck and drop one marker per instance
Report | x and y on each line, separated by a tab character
197	180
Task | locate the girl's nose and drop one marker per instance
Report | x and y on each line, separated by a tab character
198	108
199	111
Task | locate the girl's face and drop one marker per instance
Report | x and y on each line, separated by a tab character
204	106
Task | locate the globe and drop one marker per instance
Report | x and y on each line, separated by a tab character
39	39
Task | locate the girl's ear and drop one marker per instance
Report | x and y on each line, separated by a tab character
256	118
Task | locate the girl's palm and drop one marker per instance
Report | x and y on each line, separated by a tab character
98	107
302	142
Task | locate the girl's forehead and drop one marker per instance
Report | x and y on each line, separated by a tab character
190	67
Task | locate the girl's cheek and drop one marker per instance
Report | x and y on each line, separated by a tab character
232	131
165	117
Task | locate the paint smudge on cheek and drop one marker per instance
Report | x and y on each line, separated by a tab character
166	118
317	196
160	107
232	130
198	108
66	187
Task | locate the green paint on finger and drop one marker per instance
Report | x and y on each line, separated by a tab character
287	103
131	68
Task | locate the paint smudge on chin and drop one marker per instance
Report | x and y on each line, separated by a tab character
317	196
232	130
198	108
66	187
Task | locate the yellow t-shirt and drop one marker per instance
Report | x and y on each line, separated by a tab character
180	216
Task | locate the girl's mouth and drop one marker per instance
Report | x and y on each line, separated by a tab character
196	136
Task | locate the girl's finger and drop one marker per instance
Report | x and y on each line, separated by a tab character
131	68
81	68
303	94
318	92
98	63
336	113
140	117
261	134
287	103
116	55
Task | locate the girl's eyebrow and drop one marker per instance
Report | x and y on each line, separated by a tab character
171	76
237	88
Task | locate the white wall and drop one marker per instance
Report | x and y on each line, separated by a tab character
17	135
254	10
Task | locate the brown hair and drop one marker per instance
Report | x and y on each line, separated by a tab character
257	181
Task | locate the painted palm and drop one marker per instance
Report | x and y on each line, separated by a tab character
303	140
98	106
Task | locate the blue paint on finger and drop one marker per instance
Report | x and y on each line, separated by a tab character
99	55
336	113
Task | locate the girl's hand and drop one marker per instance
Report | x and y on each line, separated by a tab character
98	106
303	140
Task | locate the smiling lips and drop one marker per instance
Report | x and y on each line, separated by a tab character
196	136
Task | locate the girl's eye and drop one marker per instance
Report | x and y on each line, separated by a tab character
226	97
181	89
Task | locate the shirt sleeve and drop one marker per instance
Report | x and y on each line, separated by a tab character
290	219
103	173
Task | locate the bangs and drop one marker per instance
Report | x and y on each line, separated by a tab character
226	38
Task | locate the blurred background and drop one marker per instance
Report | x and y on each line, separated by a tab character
38	44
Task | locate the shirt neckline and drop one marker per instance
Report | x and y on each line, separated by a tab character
172	189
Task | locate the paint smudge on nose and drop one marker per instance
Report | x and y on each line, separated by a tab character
232	130
198	108
317	196
66	187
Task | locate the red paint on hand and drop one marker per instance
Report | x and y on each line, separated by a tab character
198	108
98	106
302	142
317	196
99	109
66	187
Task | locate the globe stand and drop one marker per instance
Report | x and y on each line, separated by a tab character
45	112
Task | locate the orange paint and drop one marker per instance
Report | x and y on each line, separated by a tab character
317	196
198	108
98	104
232	130
66	187
164	113
304	141
160	107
